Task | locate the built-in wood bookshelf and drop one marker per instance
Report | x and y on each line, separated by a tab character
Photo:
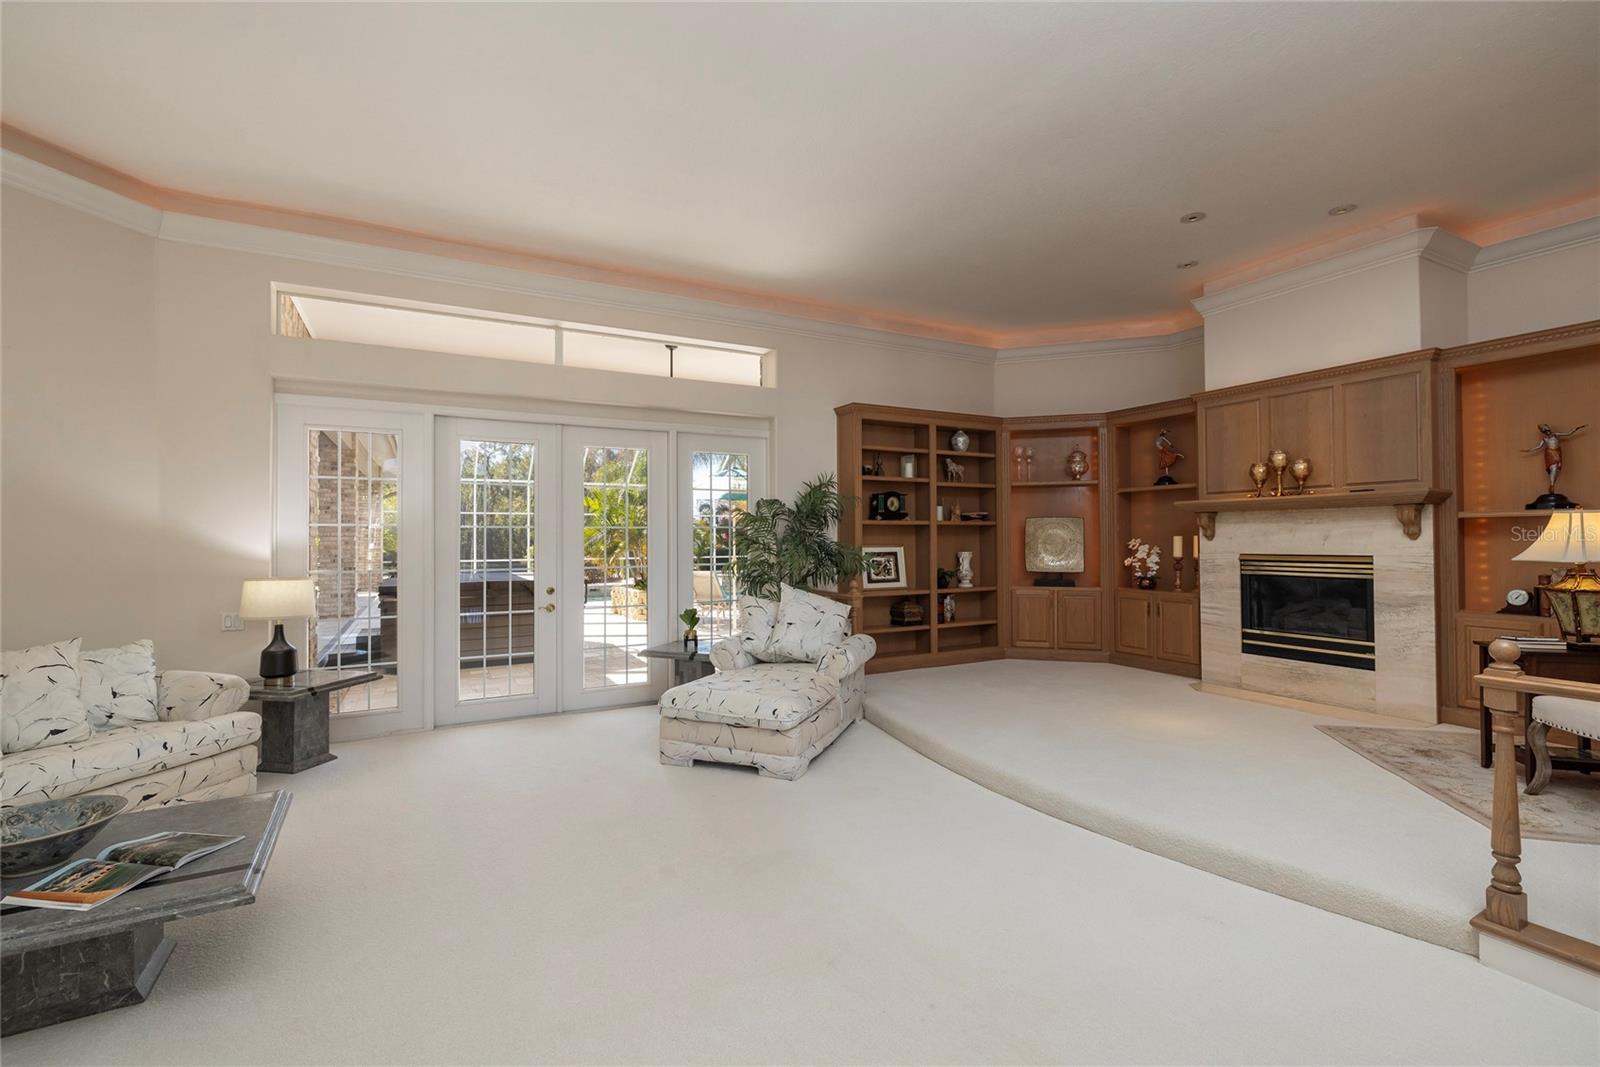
869	434
1041	621
1156	629
1490	399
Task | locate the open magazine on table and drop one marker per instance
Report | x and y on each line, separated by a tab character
88	883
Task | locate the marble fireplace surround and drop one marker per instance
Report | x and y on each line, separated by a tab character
1405	683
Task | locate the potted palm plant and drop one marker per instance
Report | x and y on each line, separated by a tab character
777	543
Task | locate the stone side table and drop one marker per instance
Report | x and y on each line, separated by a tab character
294	718
688	663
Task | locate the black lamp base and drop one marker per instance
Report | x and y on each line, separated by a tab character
279	660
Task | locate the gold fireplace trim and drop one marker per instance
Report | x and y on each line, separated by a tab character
1314	637
1307	566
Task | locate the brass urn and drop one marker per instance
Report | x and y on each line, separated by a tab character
1077	464
1301	469
1258	475
1279	460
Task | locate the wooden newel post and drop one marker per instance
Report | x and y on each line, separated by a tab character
1504	901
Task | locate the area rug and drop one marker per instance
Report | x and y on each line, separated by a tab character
1444	764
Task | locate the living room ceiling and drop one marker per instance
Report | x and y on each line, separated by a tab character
1004	167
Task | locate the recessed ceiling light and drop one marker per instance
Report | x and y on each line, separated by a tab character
1191	263
1343	209
1193	216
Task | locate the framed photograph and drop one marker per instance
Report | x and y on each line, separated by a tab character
886	568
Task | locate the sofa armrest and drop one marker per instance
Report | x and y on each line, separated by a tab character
195	695
726	655
842	660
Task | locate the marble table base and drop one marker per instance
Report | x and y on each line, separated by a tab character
45	986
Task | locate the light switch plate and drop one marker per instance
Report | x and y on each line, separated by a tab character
231	621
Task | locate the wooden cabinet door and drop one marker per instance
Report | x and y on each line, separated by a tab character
1078	618
1033	618
1476	634
1133	622
1177	629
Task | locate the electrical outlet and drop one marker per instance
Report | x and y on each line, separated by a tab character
231	621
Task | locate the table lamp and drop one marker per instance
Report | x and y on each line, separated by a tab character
1572	537
276	599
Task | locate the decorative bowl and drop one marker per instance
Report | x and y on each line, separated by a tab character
37	837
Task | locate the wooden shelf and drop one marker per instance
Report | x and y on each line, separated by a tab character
960	624
967	522
896	449
1159	488
893	478
1505	514
1377	499
966	485
1055	485
897	630
973	455
895	592
894	522
974	589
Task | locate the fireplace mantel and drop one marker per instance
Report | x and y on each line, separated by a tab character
1407	505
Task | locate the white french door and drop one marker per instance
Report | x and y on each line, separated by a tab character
351	498
617	575
719	476
497	566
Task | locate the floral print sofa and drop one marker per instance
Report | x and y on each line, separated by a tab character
193	741
785	687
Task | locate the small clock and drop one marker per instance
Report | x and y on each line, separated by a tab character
1519	602
888	505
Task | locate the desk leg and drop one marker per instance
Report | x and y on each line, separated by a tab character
294	734
1485	736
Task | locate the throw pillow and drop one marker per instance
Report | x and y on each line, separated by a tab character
39	703
807	624
119	684
757	616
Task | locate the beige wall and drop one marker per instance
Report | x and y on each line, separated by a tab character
139	376
1099	381
1534	293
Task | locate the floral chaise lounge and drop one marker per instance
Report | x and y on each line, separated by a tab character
106	721
785	686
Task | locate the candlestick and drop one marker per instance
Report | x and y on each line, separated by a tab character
1177	546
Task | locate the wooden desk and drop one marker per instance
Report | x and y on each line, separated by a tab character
1577	663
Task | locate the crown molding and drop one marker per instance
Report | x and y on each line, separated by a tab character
58	187
1426	243
1121	346
1570	235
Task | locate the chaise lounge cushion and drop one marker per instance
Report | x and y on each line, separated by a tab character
39	702
111	756
1581	717
807	626
119	684
771	696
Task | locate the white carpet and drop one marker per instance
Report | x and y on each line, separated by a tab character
1248	791
545	890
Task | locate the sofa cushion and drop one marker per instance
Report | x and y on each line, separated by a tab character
110	756
757	616
807	625
119	684
770	696
1581	717
39	702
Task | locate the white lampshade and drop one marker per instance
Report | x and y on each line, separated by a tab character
278	598
1569	537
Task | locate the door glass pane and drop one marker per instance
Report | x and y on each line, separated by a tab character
719	484
497	569
354	557
615	553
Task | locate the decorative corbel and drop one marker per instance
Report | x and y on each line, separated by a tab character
1410	516
1207	521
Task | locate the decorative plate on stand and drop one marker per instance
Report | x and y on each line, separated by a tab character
1053	545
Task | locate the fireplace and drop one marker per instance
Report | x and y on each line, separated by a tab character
1315	609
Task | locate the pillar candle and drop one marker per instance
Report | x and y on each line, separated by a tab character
1177	546
1196	552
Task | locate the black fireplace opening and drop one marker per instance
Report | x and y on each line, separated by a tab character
1315	609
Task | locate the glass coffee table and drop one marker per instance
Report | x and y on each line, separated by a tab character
57	965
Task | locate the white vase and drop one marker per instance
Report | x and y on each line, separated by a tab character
964	570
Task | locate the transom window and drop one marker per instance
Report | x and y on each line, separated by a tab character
388	323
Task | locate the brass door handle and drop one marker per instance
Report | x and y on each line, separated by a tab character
548	607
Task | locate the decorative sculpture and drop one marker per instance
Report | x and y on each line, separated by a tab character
1550	444
1077	464
953	471
1166	456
